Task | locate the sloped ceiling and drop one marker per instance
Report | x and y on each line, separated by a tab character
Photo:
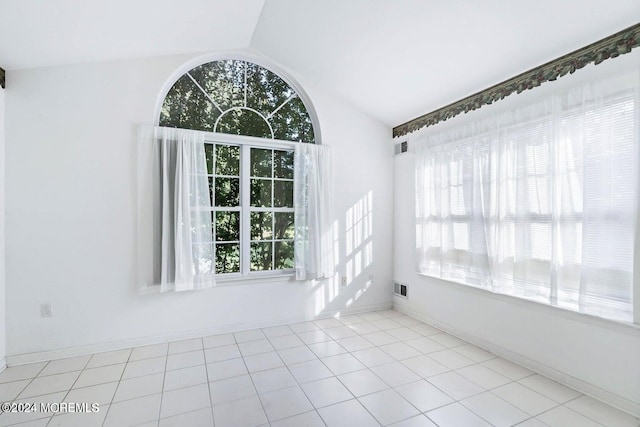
393	59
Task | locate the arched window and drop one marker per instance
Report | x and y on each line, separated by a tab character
250	180
237	97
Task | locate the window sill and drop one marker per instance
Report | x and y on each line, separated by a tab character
280	277
556	310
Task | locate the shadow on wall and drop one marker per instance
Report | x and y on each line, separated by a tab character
345	288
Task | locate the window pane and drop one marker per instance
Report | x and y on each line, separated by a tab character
208	152
227	191
261	192
261	162
283	164
227	226
243	122
283	255
227	160
223	81
283	194
284	225
187	107
227	258
261	256
261	225
292	122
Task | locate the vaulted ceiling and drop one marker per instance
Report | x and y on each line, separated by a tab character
393	59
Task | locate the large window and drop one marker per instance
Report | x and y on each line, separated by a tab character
250	179
540	201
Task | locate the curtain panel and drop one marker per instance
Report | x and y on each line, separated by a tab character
176	249
538	201
312	201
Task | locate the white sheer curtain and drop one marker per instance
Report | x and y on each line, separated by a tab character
537	201
313	198
176	241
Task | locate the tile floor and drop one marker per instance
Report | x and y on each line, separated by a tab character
371	369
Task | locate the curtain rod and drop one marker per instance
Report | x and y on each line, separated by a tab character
616	44
2	78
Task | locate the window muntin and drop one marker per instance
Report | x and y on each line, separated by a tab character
237	97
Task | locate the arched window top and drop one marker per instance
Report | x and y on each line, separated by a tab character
237	97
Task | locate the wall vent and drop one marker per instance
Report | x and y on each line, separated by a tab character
400	290
402	147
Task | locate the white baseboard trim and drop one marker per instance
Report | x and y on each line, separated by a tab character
43	356
3	365
584	387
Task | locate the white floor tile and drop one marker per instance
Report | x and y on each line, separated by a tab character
456	415
272	379
308	419
185	360
425	366
343	363
302	327
218	340
138	387
380	338
506	368
371	316
134	411
79	419
532	422
522	397
388	406
340	332
326	392
424	329
417	421
22	372
474	353
226	369
327	323
65	365
286	341
313	337
424	395
185	377
230	389
562	416
351	319
109	358
362	382
364	328
407	321
262	362
309	371
291	356
105	374
277	331
455	385
143	367
403	333
225	352
255	347
347	414
451	359
400	351
395	374
250	335
199	418
549	388
285	403
9	418
447	340
327	348
185	346
183	400
101	394
425	345
483	376
495	410
355	343
385	324
602	413
9	391
372	357
149	351
245	412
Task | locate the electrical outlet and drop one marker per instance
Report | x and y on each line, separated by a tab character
344	281
46	310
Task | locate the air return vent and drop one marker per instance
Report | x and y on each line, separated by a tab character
400	290
402	147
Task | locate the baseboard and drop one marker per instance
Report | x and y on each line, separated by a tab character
21	359
596	392
3	365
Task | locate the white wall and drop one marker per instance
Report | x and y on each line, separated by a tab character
3	326
596	356
71	197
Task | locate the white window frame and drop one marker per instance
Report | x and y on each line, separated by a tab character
246	143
